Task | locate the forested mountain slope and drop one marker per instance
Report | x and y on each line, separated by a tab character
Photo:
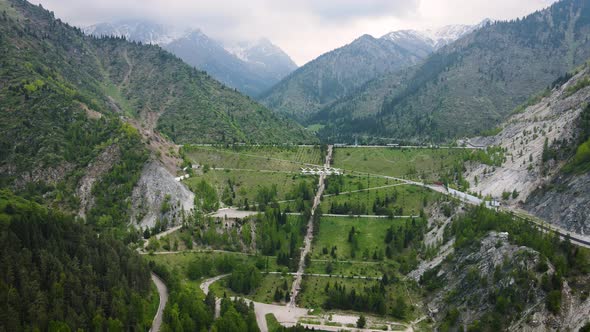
337	74
78	113
204	53
57	275
140	80
250	67
53	123
343	71
474	83
507	275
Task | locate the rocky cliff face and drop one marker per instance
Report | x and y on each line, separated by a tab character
549	125
158	196
564	201
95	170
477	281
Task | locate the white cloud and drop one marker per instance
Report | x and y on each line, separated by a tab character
303	28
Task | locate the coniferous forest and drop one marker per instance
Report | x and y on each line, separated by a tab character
59	275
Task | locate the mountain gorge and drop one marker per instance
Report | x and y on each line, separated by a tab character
471	84
141	190
250	67
343	71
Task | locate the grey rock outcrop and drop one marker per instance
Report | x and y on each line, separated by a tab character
158	196
99	167
565	202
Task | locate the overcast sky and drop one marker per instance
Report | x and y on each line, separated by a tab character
303	28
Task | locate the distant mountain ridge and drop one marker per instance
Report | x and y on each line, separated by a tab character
135	30
264	56
433	38
250	67
468	86
342	71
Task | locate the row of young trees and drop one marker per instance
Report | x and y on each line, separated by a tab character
384	206
351	208
370	299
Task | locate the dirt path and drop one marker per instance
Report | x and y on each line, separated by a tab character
309	236
374	216
232	213
163	292
128	74
197	251
254	170
160	235
323	275
366	189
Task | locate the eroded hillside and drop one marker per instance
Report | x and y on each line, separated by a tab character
538	144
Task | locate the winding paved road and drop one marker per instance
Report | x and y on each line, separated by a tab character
577	239
163	292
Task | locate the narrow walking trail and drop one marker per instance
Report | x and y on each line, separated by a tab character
309	236
205	288
163	292
130	70
159	236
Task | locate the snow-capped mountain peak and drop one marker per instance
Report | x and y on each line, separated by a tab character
245	49
261	52
139	31
409	34
251	67
435	38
